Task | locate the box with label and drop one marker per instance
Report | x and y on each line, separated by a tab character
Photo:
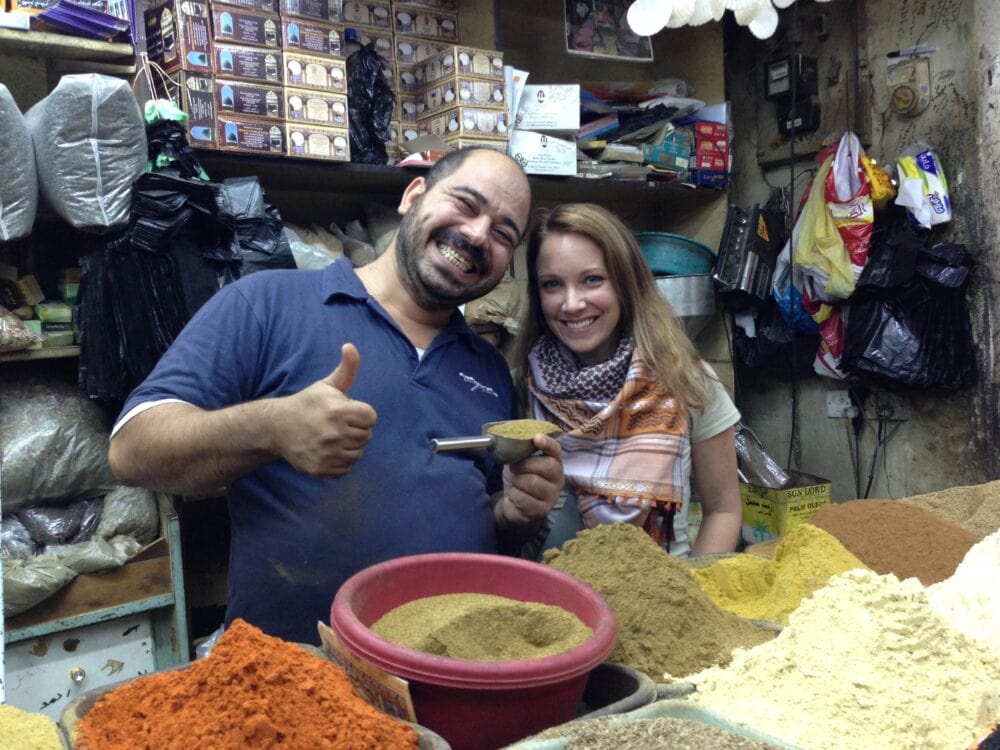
318	107
381	38
311	37
197	99
543	153
450	6
710	161
250	135
411	49
242	26
463	142
770	513
455	60
271	6
308	141
179	36
410	78
479	92
552	107
319	10
712	130
465	121
713	178
245	98
667	154
411	107
376	13
426	23
249	63
313	72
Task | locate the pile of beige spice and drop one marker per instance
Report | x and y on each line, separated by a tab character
871	661
24	730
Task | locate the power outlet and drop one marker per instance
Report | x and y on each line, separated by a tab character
839	405
892	407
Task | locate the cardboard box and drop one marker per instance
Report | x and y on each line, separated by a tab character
319	10
312	37
550	108
462	142
669	155
426	23
197	99
376	13
457	60
770	513
709	178
271	6
243	26
317	142
249	63
315	72
410	78
316	107
250	136
447	5
709	160
179	36
382	39
542	153
412	49
464	90
234	97
475	122
411	107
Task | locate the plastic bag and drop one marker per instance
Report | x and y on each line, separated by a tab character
260	241
55	443
848	198
370	104
775	345
310	255
28	582
61	524
131	511
786	289
19	187
90	146
15	539
755	464
819	248
14	335
923	188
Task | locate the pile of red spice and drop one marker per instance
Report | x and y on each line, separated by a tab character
252	691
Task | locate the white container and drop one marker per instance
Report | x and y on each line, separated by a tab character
542	153
550	108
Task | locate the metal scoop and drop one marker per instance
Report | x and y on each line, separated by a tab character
506	450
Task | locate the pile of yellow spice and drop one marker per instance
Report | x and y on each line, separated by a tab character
761	589
24	730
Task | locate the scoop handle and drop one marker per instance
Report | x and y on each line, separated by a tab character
462	443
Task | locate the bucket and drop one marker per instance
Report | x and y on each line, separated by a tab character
476	705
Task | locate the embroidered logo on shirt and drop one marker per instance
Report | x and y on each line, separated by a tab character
476	385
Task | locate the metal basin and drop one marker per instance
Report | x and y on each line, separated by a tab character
692	298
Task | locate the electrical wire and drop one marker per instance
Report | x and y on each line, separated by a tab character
789	225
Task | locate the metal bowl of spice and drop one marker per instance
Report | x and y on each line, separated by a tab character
493	693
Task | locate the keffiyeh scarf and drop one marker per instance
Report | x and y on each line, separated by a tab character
624	435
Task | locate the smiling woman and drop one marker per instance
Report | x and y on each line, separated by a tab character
602	356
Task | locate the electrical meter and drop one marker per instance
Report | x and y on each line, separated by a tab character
780	72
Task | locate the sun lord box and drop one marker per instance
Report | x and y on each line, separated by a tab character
769	513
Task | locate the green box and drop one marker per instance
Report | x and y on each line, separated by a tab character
770	513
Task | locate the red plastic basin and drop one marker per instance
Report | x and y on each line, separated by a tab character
476	705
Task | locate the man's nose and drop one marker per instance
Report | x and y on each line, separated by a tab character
477	230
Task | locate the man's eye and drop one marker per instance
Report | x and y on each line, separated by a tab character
505	237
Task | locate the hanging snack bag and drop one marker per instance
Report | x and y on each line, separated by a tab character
923	189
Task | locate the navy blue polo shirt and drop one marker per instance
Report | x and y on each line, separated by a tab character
295	539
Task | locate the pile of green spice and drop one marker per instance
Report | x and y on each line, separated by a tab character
667	626
482	627
522	429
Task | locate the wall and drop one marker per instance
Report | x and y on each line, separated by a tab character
946	442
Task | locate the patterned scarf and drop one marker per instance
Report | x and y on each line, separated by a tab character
624	435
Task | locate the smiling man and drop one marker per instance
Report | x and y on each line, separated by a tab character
312	397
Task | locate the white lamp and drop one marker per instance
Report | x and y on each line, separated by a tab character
646	17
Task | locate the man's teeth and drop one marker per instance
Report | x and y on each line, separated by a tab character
454	258
577	324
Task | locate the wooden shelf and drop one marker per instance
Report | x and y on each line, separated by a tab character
279	173
63	46
55	352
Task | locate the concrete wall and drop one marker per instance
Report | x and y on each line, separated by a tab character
950	438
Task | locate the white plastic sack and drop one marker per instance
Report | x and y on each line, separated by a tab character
18	179
90	145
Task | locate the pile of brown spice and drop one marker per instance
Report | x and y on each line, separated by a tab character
666	623
251	691
975	508
899	538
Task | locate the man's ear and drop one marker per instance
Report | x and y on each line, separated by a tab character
413	191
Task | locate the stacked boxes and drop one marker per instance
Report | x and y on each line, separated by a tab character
256	76
711	158
547	119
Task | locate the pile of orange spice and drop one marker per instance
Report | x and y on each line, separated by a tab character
251	691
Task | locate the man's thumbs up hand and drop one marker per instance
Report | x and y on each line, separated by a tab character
325	431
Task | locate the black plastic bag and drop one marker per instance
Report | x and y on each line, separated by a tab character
370	103
776	346
892	256
919	336
259	232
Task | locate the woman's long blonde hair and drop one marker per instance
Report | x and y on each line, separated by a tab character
659	335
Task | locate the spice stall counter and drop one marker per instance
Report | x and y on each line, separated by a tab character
101	627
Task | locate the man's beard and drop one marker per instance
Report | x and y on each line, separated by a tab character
428	292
